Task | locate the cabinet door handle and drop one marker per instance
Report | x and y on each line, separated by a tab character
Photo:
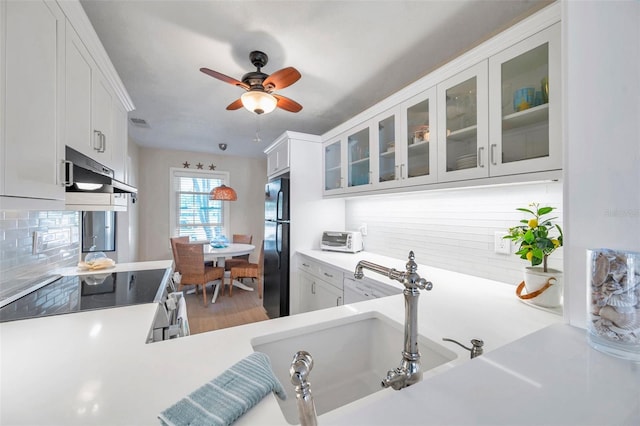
493	149
480	156
402	171
96	135
103	142
338	300
313	287
67	170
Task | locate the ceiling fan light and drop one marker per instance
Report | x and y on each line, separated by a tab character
258	102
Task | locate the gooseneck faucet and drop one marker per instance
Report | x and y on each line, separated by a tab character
409	371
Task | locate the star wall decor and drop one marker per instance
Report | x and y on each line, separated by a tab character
199	165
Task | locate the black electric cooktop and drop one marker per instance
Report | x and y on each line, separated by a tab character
79	293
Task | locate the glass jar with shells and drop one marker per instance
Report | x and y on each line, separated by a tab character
613	299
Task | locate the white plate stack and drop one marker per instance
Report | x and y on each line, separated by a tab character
466	161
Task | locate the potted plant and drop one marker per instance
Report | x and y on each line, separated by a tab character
537	238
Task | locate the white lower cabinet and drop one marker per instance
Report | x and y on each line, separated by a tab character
320	286
317	294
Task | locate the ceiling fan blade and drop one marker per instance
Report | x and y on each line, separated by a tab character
225	78
237	104
287	104
281	79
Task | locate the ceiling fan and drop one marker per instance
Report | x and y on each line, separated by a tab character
259	97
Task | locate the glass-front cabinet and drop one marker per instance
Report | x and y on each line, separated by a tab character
387	149
359	157
463	125
347	161
499	117
333	181
419	136
524	82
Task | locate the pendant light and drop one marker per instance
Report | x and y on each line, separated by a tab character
223	193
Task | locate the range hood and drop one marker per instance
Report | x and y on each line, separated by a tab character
91	186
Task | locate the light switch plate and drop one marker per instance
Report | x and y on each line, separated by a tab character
501	245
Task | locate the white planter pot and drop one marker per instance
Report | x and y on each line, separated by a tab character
535	281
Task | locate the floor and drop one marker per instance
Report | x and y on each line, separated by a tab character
243	308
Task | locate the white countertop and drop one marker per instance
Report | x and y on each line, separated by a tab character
119	267
95	368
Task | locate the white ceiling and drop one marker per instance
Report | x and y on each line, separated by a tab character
351	54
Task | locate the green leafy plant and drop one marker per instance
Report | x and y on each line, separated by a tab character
536	243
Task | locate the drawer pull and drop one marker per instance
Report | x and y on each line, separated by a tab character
328	275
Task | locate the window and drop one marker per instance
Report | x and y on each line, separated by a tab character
192	213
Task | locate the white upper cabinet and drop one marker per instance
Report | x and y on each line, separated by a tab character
387	155
90	110
348	161
32	48
491	116
358	144
418	141
79	70
525	119
463	123
119	151
278	158
332	165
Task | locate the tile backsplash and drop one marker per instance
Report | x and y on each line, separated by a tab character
453	229
55	244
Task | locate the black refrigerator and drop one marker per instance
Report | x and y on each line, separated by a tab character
276	248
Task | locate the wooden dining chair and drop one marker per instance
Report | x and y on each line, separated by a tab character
250	270
174	241
193	271
242	259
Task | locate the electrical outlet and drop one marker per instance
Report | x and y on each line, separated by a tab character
363	229
500	245
37	242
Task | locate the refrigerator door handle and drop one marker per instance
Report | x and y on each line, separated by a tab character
278	245
279	205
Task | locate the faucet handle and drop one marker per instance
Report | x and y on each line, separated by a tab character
424	284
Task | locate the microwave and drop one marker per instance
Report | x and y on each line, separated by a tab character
347	241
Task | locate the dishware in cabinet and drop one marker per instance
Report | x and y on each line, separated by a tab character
387	152
358	144
332	158
462	102
524	106
419	139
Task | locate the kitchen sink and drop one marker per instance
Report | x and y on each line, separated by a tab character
351	356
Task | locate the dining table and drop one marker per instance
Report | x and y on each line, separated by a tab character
219	254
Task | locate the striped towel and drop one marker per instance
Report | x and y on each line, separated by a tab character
225	398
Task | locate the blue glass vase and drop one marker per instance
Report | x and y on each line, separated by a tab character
219	241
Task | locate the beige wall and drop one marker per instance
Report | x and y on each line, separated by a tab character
246	175
127	222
